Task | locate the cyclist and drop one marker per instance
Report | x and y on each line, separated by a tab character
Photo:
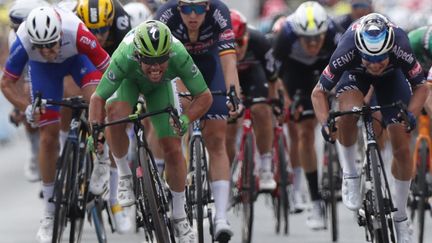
204	27
255	64
138	13
303	46
17	14
421	43
145	62
52	50
359	8
373	51
110	25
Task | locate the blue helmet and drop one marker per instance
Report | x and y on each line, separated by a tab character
375	36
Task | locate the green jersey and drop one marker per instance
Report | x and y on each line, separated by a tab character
124	81
421	43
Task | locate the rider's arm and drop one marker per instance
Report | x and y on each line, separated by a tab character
229	67
320	103
13	68
418	98
265	55
88	44
194	82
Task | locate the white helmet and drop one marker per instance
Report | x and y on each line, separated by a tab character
43	25
20	9
375	36
309	19
138	13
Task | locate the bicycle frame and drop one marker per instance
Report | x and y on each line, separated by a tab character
423	135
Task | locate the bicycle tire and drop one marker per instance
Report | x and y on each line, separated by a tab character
283	182
196	157
96	214
333	159
80	194
62	191
160	227
422	187
381	233
248	189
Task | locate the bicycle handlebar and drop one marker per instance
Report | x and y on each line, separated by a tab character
75	102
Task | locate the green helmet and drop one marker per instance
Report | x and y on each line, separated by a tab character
153	39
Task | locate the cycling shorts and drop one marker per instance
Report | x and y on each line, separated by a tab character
253	82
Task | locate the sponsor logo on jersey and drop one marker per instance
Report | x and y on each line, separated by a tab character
165	16
122	22
344	59
402	54
111	76
416	70
220	19
194	70
87	41
327	73
227	35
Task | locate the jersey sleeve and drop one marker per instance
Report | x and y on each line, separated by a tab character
342	59
16	60
121	21
406	58
113	76
88	45
222	18
283	42
265	56
188	71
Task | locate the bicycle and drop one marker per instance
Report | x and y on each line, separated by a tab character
151	199
73	171
245	186
95	208
375	213
421	186
198	190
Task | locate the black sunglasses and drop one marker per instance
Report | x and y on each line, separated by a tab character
189	8
100	31
152	60
47	45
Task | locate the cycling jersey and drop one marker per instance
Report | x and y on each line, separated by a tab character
79	53
346	70
421	44
215	39
299	71
124	81
343	21
121	26
258	66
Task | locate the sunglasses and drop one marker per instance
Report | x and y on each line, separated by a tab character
100	31
360	5
312	38
374	59
152	60
197	8
47	45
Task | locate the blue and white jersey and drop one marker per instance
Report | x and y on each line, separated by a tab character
76	39
346	57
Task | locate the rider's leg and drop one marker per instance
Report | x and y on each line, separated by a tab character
263	128
297	168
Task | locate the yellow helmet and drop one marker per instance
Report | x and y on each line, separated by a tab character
96	14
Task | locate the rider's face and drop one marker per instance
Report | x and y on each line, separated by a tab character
154	72
241	47
192	19
375	68
312	44
50	54
102	37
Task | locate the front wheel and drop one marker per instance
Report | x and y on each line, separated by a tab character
422	188
248	189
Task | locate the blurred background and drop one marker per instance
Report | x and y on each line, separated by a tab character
408	14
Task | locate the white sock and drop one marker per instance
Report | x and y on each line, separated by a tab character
221	196
113	185
160	164
122	166
178	204
297	178
266	162
62	139
47	192
347	157
400	197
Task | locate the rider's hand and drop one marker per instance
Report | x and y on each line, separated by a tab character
412	121
234	114
33	117
16	117
295	112
328	134
184	125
